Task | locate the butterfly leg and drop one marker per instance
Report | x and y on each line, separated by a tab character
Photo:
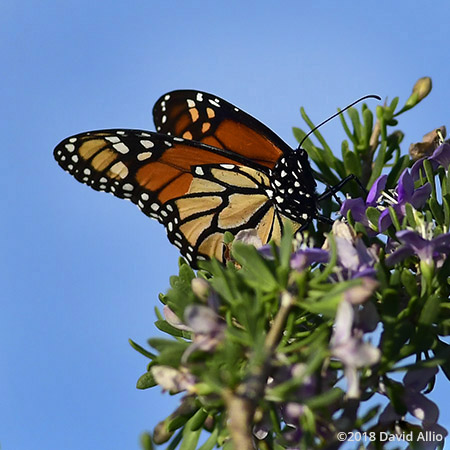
331	191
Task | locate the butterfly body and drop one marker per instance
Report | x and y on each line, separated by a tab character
209	168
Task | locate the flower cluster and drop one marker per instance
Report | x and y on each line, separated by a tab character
291	343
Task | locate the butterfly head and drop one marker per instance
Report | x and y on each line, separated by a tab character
294	187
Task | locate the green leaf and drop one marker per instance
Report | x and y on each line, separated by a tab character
141	350
190	438
430	311
170	351
347	130
394	104
395	392
175	441
327	307
446	204
436	210
410	282
410	215
177	422
373	215
327	150
146	381
394	218
211	441
169	329
396	170
146	441
368	126
254	267
198	419
325	399
378	163
352	163
357	127
430	176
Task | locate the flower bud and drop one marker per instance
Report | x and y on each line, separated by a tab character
161	434
200	288
422	88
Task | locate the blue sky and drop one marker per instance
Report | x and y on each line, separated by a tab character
81	270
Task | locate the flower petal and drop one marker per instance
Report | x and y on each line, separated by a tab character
409	237
399	255
421	407
375	190
384	221
418	379
421	195
405	188
358	208
442	155
303	258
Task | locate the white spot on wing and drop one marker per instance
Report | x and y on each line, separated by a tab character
120	169
112	139
199	97
199	171
144	155
70	147
127	187
147	144
190	103
121	148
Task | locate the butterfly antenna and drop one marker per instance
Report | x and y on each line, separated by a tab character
337	114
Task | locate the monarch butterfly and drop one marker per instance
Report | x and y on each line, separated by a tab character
209	168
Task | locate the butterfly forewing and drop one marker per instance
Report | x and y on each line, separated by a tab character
197	191
209	119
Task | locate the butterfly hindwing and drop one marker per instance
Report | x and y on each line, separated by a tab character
209	119
198	192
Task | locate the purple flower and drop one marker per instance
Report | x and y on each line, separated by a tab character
416	403
305	257
440	157
347	343
405	193
354	258
206	326
358	206
208	329
413	243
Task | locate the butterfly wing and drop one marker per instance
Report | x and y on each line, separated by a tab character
196	191
206	118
